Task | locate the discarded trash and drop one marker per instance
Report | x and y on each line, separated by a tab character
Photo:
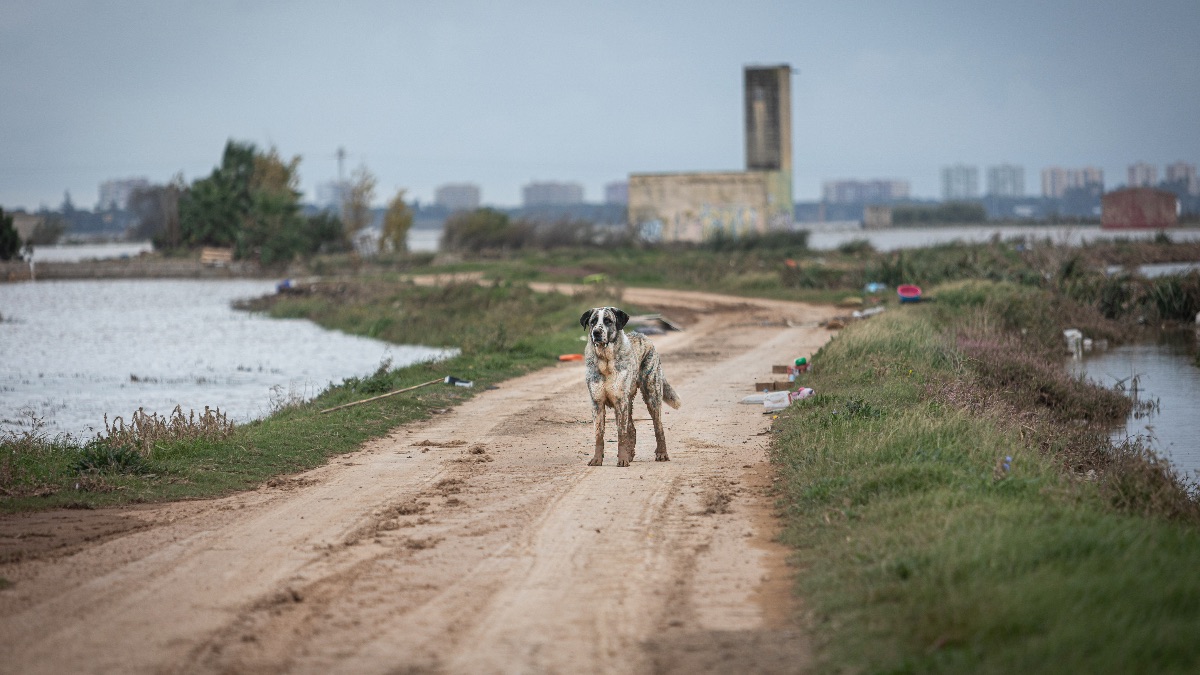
754	399
909	293
1074	338
570	357
450	379
867	313
653	322
1003	467
777	400
800	367
390	393
801	361
874	287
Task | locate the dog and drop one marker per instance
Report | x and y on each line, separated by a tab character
618	365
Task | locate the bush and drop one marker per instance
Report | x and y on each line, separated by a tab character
100	457
481	230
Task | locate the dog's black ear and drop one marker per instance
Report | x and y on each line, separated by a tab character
586	318
622	318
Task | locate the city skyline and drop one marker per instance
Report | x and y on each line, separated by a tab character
465	92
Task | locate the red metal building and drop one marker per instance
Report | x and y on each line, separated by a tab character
1139	208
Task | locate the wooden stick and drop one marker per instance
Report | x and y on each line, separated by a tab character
390	393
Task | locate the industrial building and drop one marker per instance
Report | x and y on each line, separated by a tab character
694	206
1056	181
1006	180
457	196
864	191
1142	174
115	194
551	194
1139	208
960	182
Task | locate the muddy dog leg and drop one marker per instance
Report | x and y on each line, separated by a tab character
654	405
626	434
598	415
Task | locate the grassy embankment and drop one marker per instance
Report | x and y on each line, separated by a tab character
502	330
955	506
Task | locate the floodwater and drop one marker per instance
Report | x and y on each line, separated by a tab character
835	235
72	351
1165	375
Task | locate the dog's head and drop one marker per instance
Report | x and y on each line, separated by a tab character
603	324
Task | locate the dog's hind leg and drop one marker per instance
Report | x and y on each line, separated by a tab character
654	405
626	433
598	415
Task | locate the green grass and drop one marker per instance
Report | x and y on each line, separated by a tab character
919	553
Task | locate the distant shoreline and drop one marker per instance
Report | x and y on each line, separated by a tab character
145	267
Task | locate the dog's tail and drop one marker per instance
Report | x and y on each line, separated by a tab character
669	395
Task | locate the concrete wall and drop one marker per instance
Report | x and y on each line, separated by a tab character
694	206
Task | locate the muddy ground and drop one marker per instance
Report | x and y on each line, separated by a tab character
475	542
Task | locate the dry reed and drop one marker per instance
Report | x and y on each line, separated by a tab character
144	430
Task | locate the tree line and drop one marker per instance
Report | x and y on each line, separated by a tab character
250	203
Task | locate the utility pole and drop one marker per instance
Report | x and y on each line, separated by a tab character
341	156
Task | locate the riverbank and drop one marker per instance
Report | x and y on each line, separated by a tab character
955	506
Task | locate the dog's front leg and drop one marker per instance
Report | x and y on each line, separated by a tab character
598	414
626	434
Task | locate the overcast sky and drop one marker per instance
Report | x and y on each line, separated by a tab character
504	93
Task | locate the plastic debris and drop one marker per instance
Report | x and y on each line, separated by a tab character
450	379
867	313
1074	338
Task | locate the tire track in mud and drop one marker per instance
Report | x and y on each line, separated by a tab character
489	548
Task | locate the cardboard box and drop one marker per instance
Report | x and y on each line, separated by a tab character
778	385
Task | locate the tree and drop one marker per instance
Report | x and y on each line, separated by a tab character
396	223
483	229
156	209
356	202
10	242
271	229
214	209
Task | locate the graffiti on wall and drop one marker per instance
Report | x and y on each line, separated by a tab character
651	230
730	219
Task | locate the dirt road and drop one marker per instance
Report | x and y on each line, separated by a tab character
475	542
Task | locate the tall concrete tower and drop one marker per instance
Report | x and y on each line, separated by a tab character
768	92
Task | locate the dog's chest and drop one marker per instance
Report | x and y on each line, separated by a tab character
614	374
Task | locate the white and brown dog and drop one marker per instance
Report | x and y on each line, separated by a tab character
618	365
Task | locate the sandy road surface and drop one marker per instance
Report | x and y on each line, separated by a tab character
475	542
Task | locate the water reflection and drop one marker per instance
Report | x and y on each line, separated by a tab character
1163	375
71	351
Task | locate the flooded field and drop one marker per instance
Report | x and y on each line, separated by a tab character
72	351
